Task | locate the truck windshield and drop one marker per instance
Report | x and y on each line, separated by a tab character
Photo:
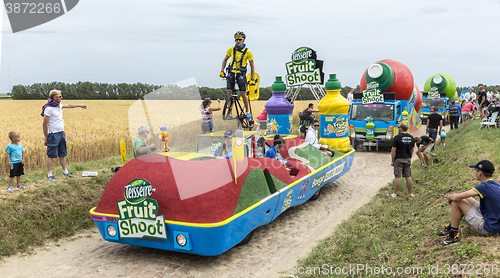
378	111
429	103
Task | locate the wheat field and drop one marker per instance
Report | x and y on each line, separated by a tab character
95	132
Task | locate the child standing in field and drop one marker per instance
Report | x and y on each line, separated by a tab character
15	155
443	138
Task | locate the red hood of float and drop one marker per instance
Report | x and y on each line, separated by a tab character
186	191
201	191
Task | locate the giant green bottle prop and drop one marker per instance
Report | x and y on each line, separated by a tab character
444	84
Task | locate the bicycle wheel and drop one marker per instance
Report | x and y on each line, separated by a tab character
240	114
228	107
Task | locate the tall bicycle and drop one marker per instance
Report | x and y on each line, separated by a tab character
233	104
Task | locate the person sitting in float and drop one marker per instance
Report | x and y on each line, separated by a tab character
312	138
274	150
225	151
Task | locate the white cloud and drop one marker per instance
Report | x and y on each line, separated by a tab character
160	42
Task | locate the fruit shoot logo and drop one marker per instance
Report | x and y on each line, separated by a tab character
335	126
304	68
25	14
372	94
139	214
433	93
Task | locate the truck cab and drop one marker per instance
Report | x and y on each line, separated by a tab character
442	103
386	117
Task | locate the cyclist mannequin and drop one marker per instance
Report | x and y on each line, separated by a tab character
241	55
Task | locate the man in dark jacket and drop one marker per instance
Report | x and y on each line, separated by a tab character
433	122
454	114
482	101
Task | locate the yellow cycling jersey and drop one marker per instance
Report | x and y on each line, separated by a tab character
237	62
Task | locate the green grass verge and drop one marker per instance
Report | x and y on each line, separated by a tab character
50	211
400	232
45	210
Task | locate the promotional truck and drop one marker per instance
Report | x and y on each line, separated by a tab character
439	101
385	114
439	92
389	97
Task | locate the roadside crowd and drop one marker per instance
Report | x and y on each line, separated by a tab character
483	216
55	140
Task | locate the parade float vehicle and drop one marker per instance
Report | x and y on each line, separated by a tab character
440	102
385	114
193	203
389	97
439	91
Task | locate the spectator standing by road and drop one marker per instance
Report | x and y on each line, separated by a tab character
483	216
467	95
15	155
350	96
467	112
470	95
433	122
207	124
482	101
454	114
459	105
401	153
489	97
53	129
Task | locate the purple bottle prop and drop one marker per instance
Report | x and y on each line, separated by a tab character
279	110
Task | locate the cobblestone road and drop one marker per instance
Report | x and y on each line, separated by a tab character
270	253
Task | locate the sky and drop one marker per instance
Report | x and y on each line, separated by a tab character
164	42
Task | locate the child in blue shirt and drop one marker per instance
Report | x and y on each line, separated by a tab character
15	155
443	138
278	145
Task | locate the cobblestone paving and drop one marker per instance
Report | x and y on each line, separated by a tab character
271	252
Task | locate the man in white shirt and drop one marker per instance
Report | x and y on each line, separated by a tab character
470	95
53	129
350	96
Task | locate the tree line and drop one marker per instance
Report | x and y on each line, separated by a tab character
124	91
89	90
